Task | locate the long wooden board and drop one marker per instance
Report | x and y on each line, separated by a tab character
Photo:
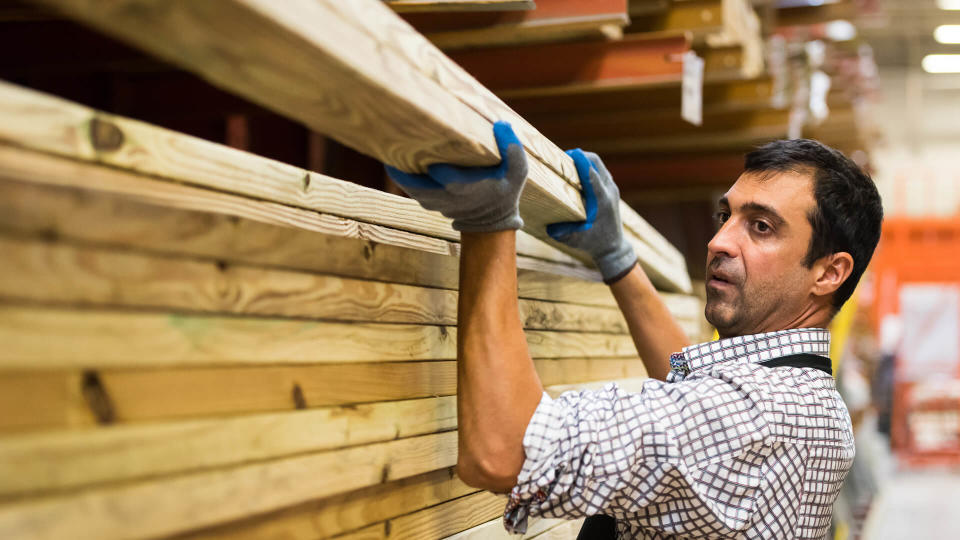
554	20
57	273
436	522
336	78
409	104
459	5
343	513
47	400
180	503
96	339
48	124
152	216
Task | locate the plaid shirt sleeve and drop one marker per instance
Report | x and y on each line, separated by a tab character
676	457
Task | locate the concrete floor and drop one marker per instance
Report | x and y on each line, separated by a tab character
916	505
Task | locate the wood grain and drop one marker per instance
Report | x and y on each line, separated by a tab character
48	272
59	399
342	513
436	522
403	6
38	121
552	194
104	338
336	78
60	460
173	504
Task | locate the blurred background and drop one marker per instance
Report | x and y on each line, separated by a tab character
672	93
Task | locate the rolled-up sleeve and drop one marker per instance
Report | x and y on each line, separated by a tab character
646	454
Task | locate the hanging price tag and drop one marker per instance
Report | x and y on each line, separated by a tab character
691	108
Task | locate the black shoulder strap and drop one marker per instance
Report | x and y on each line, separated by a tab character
801	360
598	527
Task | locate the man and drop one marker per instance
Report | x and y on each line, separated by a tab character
746	437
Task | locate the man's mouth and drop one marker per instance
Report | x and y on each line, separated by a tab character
719	280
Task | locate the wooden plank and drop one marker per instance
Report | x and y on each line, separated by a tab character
52	125
494	530
61	460
42	400
118	396
254	232
51	273
555	20
436	522
342	77
41	122
339	514
404	6
734	94
632	60
168	505
99	339
563	531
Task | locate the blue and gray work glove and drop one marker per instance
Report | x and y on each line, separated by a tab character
601	235
477	199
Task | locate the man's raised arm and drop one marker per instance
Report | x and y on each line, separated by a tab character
498	389
655	332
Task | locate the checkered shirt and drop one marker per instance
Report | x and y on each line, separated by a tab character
726	448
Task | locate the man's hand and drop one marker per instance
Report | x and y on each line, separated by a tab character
477	199
601	235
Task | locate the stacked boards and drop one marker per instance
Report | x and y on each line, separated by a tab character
203	343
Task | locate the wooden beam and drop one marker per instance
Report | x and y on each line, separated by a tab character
493	530
810	15
52	125
663	171
698	16
640	122
436	522
343	77
406	6
733	94
169	505
554	20
38	271
165	506
534	68
253	232
342	513
124	396
42	462
95	339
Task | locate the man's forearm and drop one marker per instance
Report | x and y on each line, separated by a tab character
498	387
655	332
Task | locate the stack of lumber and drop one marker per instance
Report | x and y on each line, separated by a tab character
200	342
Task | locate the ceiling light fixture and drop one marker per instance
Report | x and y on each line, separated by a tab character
941	63
947	33
951	5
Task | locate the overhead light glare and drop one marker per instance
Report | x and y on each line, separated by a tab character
941	63
951	5
841	30
947	33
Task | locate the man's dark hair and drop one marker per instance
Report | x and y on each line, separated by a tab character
848	213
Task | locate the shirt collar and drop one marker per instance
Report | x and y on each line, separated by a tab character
752	348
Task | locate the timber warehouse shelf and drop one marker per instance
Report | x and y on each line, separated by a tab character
217	317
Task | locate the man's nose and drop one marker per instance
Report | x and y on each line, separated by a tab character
724	242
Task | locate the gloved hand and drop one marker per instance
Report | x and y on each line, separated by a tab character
601	235
477	199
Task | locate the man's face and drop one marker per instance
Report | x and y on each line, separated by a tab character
756	279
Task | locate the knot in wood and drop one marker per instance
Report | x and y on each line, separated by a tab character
105	136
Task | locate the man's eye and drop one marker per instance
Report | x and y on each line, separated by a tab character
761	226
721	217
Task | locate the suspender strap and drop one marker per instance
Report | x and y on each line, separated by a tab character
801	360
598	527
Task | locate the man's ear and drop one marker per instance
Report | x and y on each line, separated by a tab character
832	271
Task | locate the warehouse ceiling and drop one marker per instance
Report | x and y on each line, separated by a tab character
902	32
